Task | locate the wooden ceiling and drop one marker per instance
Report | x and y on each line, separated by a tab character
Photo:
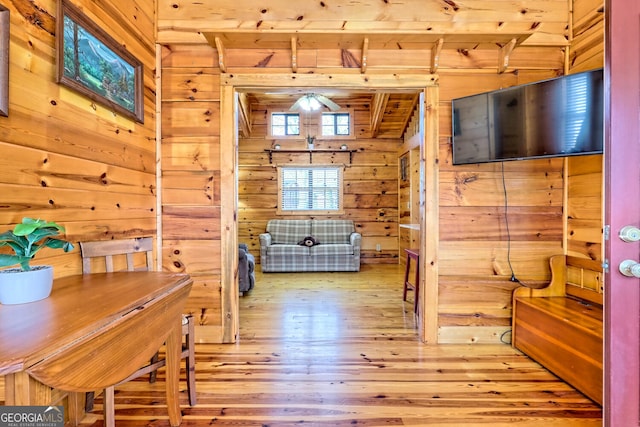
389	112
360	30
389	24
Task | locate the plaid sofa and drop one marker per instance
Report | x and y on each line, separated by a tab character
338	248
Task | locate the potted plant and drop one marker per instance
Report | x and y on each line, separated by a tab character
25	283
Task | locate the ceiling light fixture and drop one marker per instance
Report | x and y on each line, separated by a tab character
313	102
309	103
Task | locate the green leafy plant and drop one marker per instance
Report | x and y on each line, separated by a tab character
28	238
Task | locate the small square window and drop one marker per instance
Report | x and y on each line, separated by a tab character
285	124
336	124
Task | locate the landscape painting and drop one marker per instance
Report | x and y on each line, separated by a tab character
94	64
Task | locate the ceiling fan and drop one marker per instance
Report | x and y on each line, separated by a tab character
313	101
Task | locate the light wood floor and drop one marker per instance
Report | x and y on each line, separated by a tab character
340	349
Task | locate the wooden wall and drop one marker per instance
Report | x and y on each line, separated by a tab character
68	159
474	303
584	209
370	182
190	186
64	157
74	161
482	235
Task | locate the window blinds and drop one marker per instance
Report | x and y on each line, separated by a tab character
307	189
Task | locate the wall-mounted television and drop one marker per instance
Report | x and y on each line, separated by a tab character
563	116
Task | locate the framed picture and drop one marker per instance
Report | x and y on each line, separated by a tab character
91	62
404	168
4	61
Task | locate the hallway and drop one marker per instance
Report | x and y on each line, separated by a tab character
340	349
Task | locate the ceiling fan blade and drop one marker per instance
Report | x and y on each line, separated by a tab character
329	103
296	105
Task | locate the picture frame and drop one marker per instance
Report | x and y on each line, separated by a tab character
404	168
91	62
4	60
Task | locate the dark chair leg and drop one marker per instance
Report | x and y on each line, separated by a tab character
88	401
153	374
191	361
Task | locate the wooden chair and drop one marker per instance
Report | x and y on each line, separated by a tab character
126	250
412	254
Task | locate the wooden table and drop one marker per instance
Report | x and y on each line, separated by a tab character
91	333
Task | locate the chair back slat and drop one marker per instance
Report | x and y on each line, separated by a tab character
108	249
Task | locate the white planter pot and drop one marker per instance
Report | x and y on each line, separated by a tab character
19	287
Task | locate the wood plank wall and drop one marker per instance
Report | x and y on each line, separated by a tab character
64	157
474	288
191	178
584	218
68	159
370	182
482	235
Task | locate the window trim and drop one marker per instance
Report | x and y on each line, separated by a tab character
314	212
351	135
270	134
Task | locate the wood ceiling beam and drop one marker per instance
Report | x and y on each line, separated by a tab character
378	106
504	55
251	39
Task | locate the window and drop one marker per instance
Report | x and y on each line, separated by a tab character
336	124
285	124
315	189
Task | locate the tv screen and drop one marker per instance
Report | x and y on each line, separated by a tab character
557	117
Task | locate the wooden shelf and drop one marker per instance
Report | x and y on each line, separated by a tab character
311	152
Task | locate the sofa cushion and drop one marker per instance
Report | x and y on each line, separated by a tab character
289	231
287	250
332	230
331	249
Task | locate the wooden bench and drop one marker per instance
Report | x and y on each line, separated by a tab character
560	326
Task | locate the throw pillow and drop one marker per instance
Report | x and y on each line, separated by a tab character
308	241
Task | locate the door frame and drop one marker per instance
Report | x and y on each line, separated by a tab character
232	84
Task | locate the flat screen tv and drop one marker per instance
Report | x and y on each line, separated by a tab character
552	118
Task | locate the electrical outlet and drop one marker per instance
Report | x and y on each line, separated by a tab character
378	248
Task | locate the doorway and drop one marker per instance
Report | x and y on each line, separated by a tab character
233	85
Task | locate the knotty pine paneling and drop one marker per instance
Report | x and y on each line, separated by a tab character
66	158
473	303
195	258
586	50
584	207
192	153
191	191
473	228
483	236
585	217
353	17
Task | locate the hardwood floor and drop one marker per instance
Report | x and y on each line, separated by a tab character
340	349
